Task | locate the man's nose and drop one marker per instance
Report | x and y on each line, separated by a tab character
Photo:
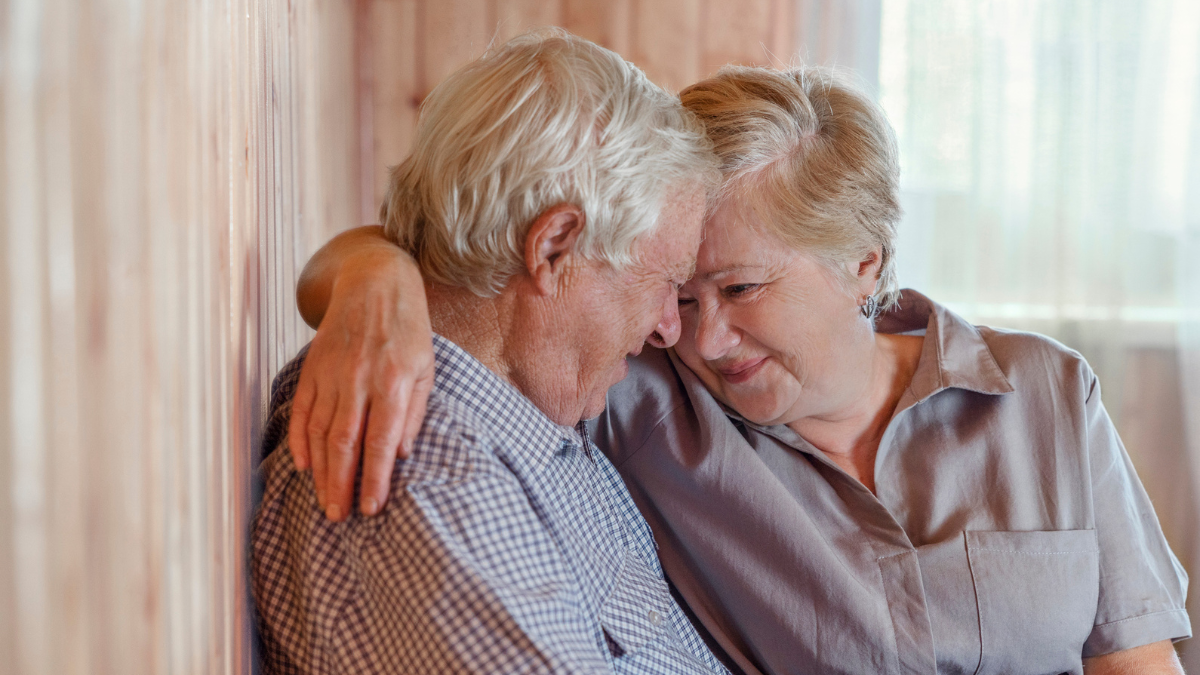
666	333
714	336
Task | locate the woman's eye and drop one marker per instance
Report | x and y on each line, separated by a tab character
735	290
686	301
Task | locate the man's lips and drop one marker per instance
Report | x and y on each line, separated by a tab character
739	372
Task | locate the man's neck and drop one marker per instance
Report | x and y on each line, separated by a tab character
477	325
512	335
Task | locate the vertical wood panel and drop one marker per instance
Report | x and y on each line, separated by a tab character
739	33
782	37
666	41
608	23
456	31
514	17
166	168
396	85
10	85
24	340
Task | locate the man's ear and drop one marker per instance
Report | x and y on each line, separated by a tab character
550	245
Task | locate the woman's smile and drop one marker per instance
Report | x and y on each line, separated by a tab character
742	371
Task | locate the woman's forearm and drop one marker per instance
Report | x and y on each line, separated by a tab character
354	257
1156	658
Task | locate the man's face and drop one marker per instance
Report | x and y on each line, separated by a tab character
624	308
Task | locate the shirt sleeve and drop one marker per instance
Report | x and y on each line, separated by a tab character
483	586
1142	584
456	575
462	577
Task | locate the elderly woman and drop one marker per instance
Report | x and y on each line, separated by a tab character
841	477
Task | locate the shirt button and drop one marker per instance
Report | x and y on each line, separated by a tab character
655	618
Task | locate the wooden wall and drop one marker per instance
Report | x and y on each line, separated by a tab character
408	46
165	167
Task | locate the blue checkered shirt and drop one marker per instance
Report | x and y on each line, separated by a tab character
509	544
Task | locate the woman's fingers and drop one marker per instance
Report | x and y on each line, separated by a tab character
302	403
398	403
342	452
317	430
384	429
331	430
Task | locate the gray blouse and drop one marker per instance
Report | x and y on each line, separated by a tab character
1010	533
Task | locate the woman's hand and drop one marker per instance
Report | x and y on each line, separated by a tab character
1156	658
369	370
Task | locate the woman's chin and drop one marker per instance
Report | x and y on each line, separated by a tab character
763	411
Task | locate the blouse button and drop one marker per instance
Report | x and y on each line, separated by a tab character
655	618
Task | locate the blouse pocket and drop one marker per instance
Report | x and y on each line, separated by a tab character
1037	595
635	613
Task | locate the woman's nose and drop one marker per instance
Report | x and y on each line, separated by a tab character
666	333
714	336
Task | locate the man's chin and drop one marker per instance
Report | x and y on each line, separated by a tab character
593	409
595	406
622	370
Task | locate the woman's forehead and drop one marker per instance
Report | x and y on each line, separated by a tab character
734	238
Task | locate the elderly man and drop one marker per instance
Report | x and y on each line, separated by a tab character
553	201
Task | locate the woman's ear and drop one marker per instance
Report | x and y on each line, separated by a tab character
868	271
550	245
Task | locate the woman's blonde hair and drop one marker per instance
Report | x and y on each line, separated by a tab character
813	156
543	119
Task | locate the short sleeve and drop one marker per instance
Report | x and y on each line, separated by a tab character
457	574
1142	585
462	578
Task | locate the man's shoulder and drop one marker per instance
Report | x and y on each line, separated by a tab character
454	445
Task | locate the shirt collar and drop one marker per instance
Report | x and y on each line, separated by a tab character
526	436
954	354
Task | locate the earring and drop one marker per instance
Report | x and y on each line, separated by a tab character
870	307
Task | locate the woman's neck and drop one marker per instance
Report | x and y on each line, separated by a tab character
850	436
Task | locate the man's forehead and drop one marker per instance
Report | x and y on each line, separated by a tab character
684	269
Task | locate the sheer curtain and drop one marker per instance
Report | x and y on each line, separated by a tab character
1050	156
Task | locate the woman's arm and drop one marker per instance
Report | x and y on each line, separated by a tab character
363	250
1143	587
369	369
1156	658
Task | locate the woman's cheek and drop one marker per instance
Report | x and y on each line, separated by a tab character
686	349
687	329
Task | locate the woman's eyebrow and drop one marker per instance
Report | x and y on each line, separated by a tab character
727	269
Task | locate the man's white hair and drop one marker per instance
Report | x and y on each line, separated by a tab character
544	119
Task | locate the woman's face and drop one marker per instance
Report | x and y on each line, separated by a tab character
770	330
